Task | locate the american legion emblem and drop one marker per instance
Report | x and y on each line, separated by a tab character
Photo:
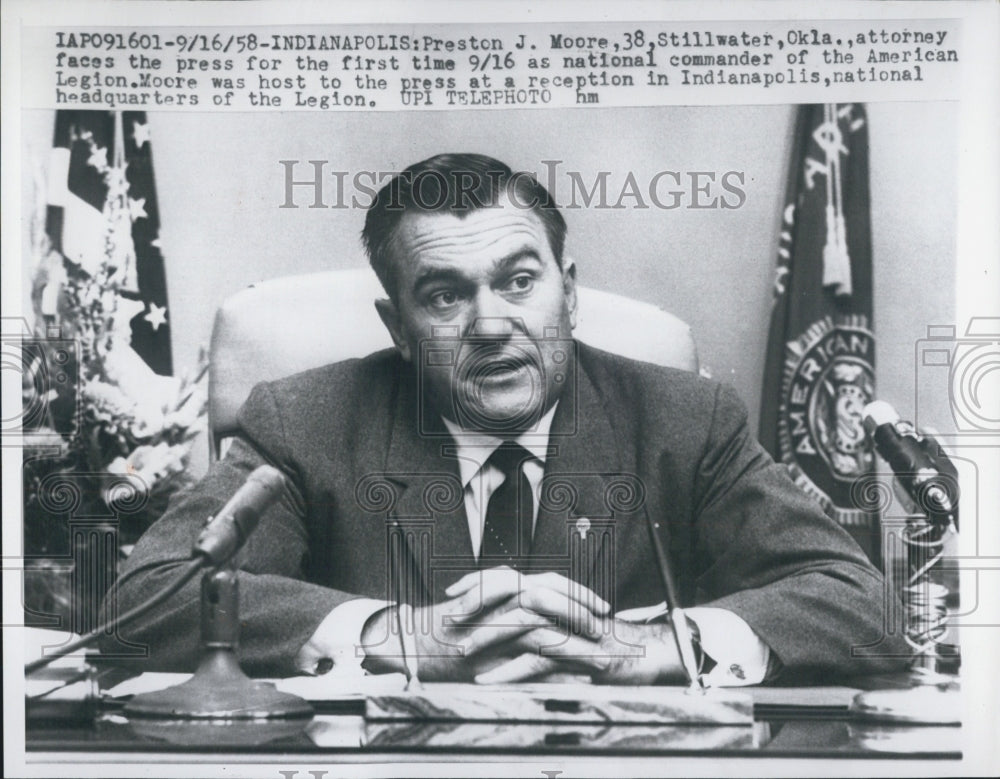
828	379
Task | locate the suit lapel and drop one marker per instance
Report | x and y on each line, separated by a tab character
429	510
592	502
581	448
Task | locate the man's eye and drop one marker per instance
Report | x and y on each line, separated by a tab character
444	298
522	283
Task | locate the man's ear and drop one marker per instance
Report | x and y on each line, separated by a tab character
569	288
389	315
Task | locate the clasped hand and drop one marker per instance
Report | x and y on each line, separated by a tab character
500	625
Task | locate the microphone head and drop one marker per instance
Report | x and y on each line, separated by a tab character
262	488
878	413
227	531
269	478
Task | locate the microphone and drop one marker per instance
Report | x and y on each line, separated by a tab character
922	468
227	531
219	690
223	535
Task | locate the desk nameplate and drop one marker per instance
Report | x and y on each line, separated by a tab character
563	703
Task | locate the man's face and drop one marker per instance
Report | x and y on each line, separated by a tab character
484	309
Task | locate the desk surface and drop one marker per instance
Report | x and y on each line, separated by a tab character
789	724
788	731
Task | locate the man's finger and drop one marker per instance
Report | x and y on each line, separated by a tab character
493	586
573	601
536	595
576	651
511	625
557	606
470	580
519	669
565	650
570	589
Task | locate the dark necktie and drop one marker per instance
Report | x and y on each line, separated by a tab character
507	530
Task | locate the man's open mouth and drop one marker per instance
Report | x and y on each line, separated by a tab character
497	363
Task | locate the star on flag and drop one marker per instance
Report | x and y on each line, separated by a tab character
98	158
157	316
140	132
137	208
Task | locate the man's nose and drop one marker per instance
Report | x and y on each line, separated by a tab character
493	317
492	327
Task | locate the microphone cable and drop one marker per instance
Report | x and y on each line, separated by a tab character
193	567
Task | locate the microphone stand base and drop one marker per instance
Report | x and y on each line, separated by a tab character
219	690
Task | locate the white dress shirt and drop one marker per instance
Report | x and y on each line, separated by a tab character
741	657
481	478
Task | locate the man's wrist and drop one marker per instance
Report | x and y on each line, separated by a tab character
659	663
671	667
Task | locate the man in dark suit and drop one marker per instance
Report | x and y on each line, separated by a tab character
497	482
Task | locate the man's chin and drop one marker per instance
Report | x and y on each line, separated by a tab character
501	417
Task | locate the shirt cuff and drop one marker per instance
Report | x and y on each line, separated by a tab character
335	646
741	658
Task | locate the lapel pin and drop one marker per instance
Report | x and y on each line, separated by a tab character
582	526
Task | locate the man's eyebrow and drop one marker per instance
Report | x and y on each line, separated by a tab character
527	253
432	275
451	275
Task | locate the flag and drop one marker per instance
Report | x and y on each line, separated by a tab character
819	369
102	205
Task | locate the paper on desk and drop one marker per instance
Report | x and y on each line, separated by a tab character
313	688
59	690
643	613
38	641
333	687
64	679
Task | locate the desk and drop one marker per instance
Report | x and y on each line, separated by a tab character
797	735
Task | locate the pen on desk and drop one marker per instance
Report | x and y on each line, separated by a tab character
406	639
409	650
678	620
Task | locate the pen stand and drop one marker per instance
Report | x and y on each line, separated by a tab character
219	690
929	696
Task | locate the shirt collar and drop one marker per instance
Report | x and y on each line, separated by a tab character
474	449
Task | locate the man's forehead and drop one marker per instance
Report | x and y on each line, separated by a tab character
442	236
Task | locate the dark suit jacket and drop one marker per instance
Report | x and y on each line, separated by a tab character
374	499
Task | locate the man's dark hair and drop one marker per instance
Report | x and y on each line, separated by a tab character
455	184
